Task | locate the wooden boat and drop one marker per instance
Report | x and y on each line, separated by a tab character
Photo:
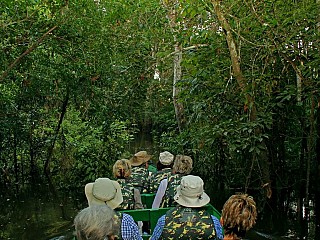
150	216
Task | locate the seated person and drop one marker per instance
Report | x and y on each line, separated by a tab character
239	214
131	195
102	222
104	192
107	192
167	189
189	220
164	167
139	171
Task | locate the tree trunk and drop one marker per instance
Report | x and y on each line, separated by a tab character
302	183
310	149
178	107
177	73
317	183
299	88
50	151
317	189
242	82
15	157
33	167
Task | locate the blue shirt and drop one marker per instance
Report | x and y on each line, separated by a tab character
129	229
161	222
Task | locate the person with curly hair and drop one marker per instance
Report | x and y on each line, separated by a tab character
131	195
104	194
239	214
182	166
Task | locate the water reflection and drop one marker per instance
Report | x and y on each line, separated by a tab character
37	214
41	213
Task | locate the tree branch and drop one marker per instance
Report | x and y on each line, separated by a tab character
175	52
186	49
270	35
29	50
231	45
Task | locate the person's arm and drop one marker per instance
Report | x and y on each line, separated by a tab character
160	193
137	199
129	229
159	228
218	227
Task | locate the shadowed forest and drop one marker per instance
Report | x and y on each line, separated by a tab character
233	84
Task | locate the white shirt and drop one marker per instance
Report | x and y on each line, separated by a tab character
160	193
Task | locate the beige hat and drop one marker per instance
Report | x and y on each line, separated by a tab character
166	158
139	158
104	191
190	193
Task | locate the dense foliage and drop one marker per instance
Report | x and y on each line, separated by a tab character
79	78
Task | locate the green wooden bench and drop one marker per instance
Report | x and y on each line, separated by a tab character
147	199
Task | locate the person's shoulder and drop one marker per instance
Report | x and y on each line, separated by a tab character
126	218
139	169
161	220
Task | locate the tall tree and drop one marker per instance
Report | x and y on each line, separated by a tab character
262	157
173	7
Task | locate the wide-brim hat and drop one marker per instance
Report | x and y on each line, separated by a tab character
166	158
190	193
104	192
140	158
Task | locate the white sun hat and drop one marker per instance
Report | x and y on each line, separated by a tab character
104	192
166	158
190	193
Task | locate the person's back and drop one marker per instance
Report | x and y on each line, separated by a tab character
173	181
164	168
188	223
181	167
239	214
131	195
139	172
106	192
189	219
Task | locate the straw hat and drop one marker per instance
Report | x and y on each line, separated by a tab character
190	193
166	158
104	191
140	158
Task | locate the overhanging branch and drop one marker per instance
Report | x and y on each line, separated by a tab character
29	50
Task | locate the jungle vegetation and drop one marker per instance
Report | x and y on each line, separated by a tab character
234	84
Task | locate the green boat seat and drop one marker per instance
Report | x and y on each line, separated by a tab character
147	199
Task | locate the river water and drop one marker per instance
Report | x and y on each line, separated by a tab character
41	213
